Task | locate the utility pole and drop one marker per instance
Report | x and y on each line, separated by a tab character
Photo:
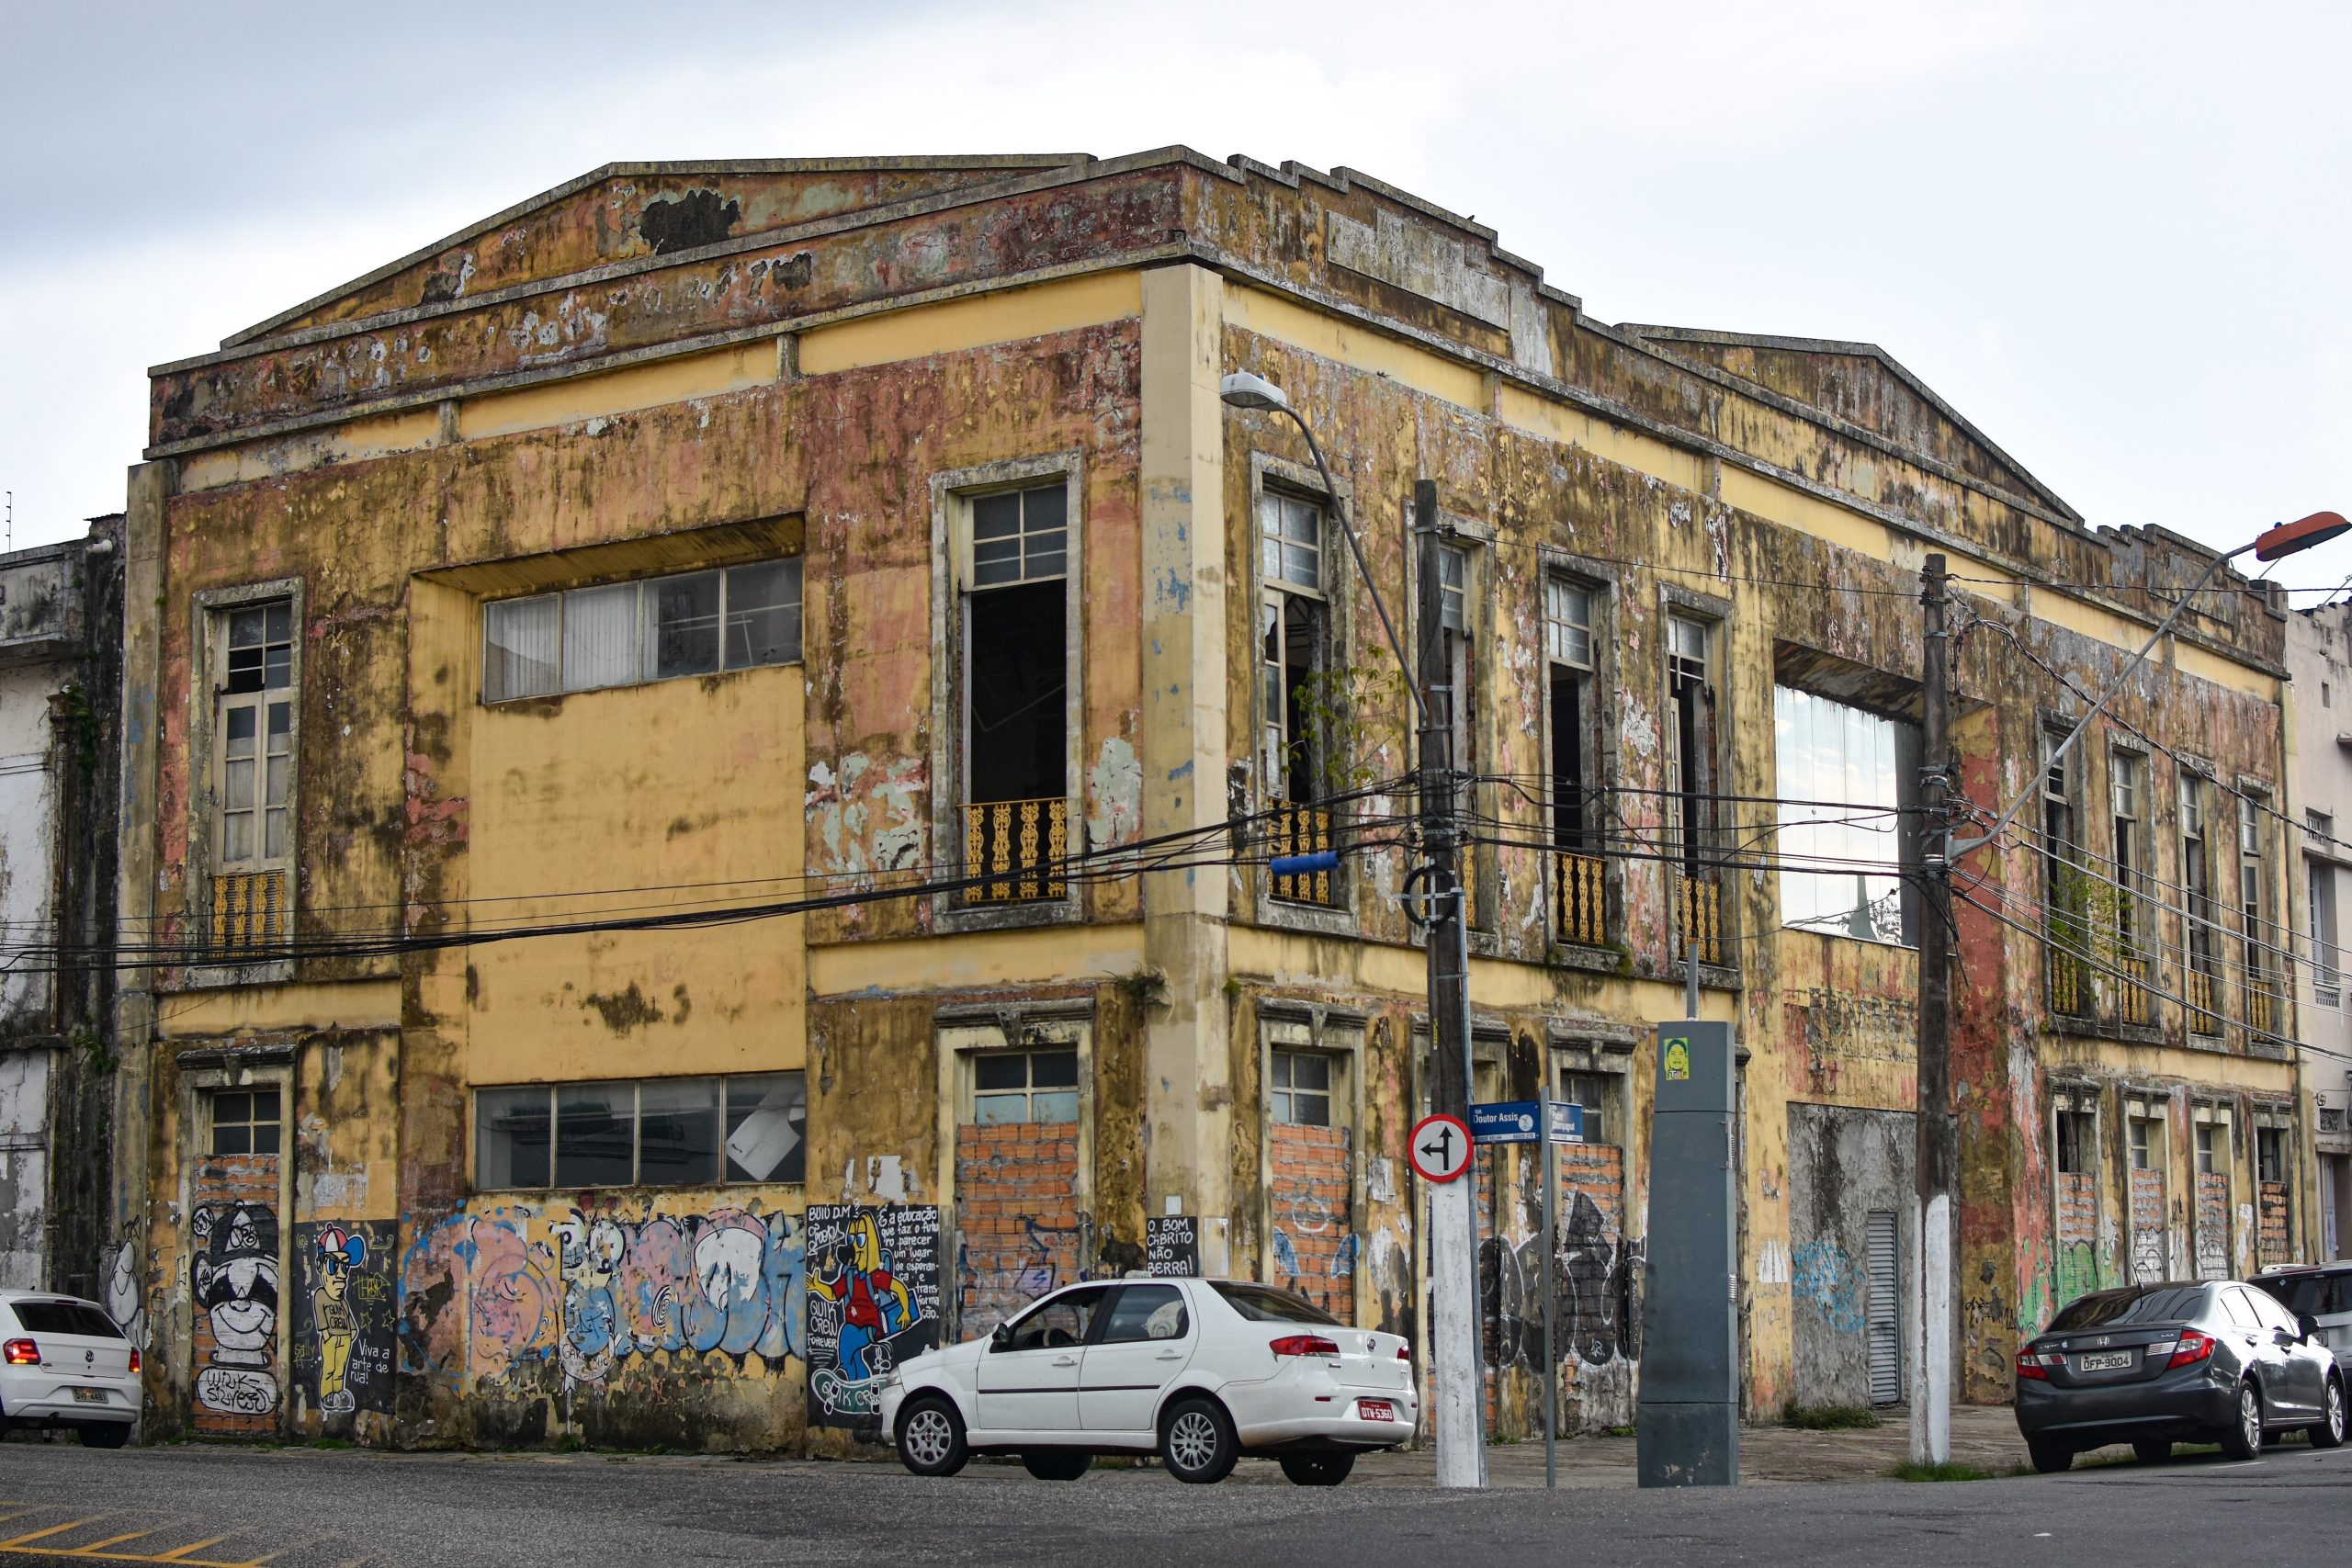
1935	1160
1457	1385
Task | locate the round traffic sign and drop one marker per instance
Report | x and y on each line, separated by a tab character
1439	1147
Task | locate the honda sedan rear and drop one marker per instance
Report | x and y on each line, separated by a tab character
2151	1365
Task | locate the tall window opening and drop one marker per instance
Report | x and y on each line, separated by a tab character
2327	980
2127	775
1691	686
254	747
1016	675
1579	901
1462	713
2197	882
2066	947
1293	629
2262	999
1844	784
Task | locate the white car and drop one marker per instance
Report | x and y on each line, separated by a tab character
1199	1371
64	1363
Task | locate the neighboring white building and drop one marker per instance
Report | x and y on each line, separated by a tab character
2319	658
60	653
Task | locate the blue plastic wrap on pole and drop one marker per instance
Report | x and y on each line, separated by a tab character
1304	866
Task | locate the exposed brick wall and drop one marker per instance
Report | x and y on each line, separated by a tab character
2212	1227
1016	1217
2271	1240
2077	1236
1314	1238
2150	1257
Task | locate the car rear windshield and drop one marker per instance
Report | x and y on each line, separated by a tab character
66	1317
1263	1304
2321	1295
2166	1303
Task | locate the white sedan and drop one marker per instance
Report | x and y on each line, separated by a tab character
1199	1371
64	1363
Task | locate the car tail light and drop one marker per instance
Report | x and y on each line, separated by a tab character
1303	1345
1403	1352
20	1353
2193	1347
134	1363
2031	1364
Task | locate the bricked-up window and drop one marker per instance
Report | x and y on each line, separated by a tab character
1579	902
1691	790
1024	1086
2078	1143
622	634
1016	680
2197	882
749	1127
244	1121
2269	1154
1301	1091
255	722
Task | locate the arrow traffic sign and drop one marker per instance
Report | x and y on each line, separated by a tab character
1440	1146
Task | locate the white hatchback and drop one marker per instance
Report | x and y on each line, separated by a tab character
1198	1371
64	1363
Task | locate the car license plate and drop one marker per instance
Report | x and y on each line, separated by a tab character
1375	1410
2111	1361
90	1396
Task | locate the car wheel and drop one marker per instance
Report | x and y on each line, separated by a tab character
2050	1455
931	1439
1317	1469
2327	1432
105	1434
2241	1439
1058	1465
2152	1450
1196	1442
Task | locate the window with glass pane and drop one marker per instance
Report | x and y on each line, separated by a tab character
1024	1086
681	625
1290	537
1019	536
2147	1143
244	1121
595	1134
600	646
1589	1090
2212	1149
767	1133
677	1131
2125	771
261	647
523	647
2269	1154
1301	1091
1453	590
1842	790
513	1136
1568	623
2326	977
762	615
254	737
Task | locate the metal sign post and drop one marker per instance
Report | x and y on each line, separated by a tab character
1515	1121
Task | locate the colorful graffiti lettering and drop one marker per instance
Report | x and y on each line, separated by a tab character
1823	1276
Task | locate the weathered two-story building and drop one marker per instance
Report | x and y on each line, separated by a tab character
704	752
61	636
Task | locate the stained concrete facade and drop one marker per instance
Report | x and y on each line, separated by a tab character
965	890
61	619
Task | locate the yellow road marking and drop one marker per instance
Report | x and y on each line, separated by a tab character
94	1546
175	1554
53	1530
131	1556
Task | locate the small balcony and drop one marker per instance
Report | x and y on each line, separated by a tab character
2263	1012
2135	1000
1013	851
247	918
1301	830
1579	899
2204	1000
1698	919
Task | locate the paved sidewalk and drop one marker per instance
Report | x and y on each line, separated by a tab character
1983	1436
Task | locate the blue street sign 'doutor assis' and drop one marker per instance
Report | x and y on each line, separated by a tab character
1513	1122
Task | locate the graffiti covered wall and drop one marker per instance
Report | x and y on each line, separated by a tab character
1314	1237
873	1282
344	1320
233	1281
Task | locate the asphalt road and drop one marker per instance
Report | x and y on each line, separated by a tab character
195	1506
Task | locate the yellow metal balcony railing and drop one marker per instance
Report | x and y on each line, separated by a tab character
248	912
1013	851
2068	991
2133	1001
2204	1014
1580	901
1302	831
1698	919
2261	1004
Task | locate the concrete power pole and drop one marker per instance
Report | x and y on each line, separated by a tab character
1457	1389
1937	1159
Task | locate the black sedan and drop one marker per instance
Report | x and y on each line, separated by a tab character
2152	1365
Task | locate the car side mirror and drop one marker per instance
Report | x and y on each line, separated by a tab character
999	1336
2307	1326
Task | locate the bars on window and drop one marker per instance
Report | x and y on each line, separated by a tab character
1014	850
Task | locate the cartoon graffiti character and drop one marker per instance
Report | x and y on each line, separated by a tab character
335	1255
874	1304
234	1279
593	1333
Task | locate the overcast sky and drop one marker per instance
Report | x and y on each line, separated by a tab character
2116	237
